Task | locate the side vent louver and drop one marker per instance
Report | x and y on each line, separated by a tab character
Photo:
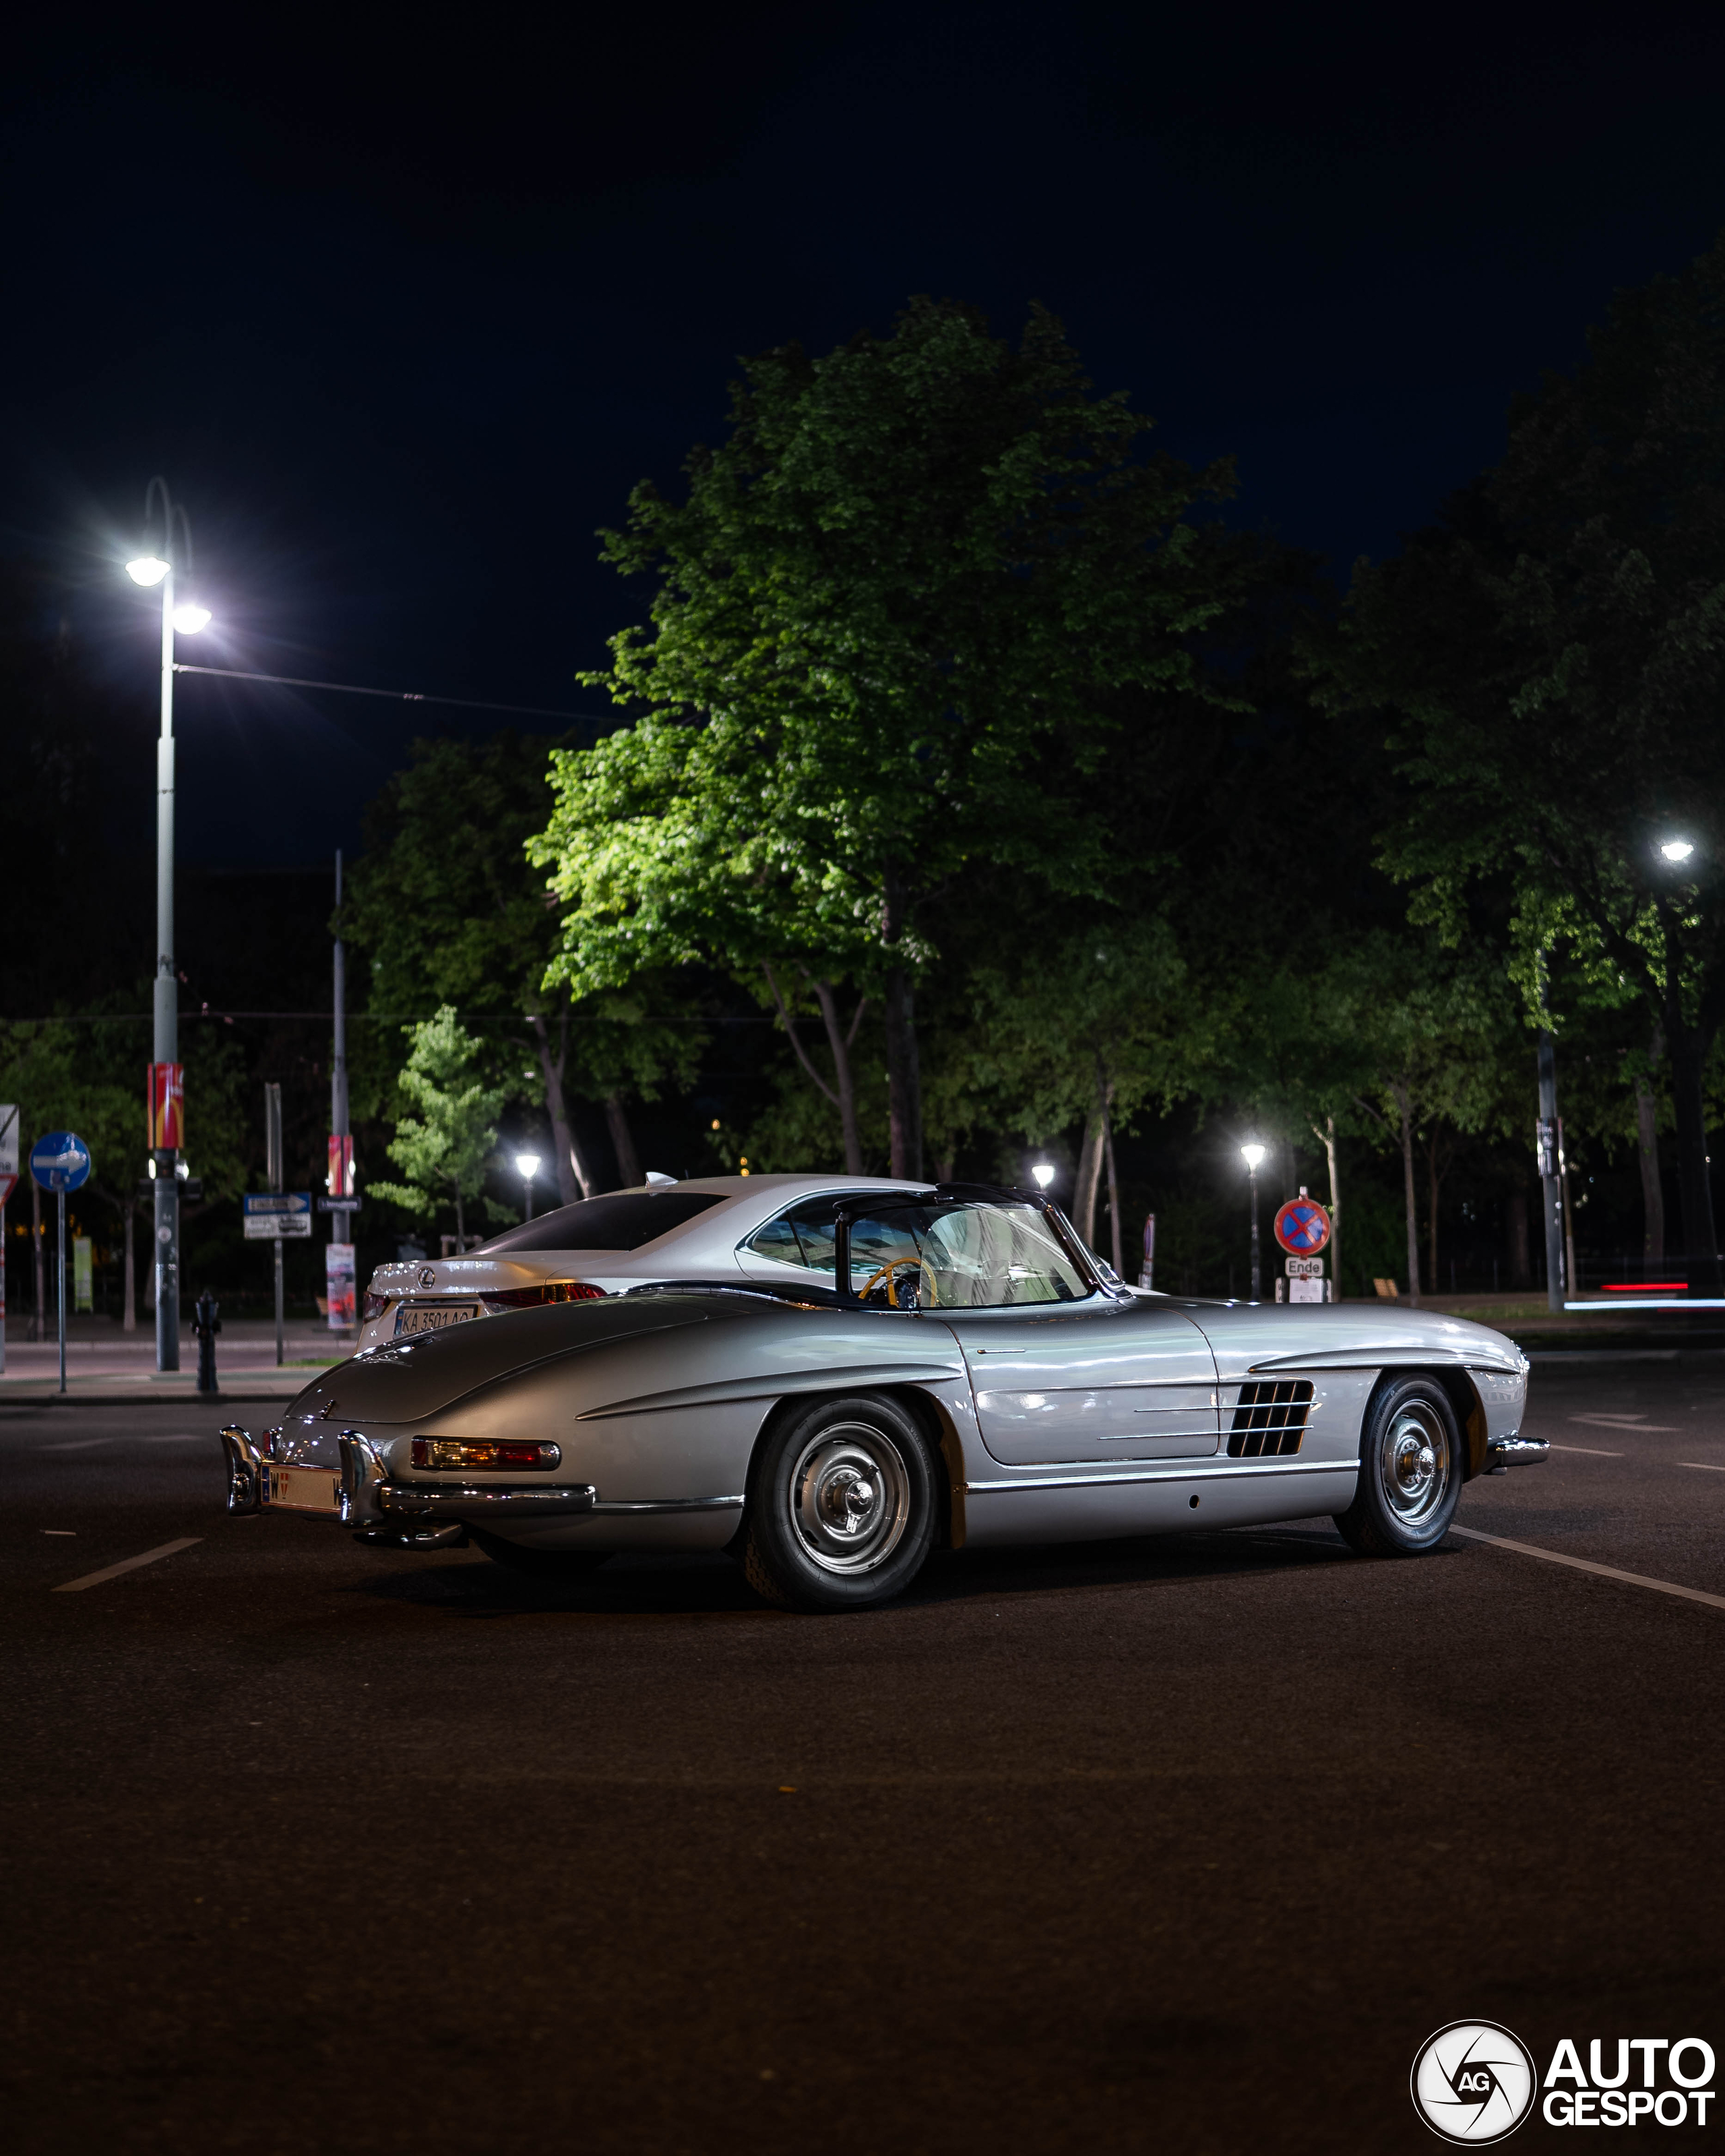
1270	1418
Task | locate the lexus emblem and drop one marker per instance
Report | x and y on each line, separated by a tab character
428	1278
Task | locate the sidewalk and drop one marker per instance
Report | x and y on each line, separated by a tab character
105	1364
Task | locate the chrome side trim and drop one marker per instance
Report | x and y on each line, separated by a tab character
1513	1452
245	1466
677	1505
1172	1474
460	1500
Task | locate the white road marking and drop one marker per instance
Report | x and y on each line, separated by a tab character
1625	1423
1585	1564
1706	1466
1591	1452
61	1531
126	1564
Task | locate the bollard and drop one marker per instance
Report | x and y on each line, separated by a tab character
206	1324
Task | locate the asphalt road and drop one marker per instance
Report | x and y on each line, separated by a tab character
1183	1844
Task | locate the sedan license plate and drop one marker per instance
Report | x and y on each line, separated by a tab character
432	1316
304	1489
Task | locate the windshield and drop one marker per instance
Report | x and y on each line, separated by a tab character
955	1254
623	1220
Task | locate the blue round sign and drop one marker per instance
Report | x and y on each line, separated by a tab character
60	1161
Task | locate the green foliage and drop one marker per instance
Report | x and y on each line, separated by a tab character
443	1145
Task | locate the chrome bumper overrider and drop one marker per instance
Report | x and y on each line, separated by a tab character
245	1469
1514	1452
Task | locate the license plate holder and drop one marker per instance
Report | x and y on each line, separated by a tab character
305	1490
433	1316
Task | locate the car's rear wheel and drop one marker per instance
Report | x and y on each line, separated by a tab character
536	1563
843	1503
1409	1471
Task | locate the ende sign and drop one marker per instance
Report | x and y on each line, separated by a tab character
273	1214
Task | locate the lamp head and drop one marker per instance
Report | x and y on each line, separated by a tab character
527	1166
189	619
1253	1155
1044	1174
147	569
1677	850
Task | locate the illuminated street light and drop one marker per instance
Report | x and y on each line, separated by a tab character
1044	1174
147	569
1677	850
527	1166
1253	1154
189	619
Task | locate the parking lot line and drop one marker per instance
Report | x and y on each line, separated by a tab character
1706	1466
1586	1564
1591	1452
126	1564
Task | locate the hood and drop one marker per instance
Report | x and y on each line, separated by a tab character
407	1379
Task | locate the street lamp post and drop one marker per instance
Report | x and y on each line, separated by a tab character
150	570
1253	1155
527	1166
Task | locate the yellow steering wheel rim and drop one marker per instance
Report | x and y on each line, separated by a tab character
886	1271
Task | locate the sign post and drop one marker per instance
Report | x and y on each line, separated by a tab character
60	1162
1302	1228
8	1183
1147	1277
275	1177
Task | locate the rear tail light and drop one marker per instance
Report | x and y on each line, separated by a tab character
374	1305
483	1452
529	1298
267	1443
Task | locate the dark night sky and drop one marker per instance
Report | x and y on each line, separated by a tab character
403	313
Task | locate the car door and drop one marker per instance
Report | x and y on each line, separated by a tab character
1117	1381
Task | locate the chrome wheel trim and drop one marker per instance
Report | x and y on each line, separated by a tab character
1413	1464
849	1497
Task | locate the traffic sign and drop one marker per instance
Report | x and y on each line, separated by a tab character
60	1161
9	1151
1302	1227
270	1213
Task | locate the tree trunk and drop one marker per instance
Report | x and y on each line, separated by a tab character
904	1084
1521	1266
622	1141
1090	1176
37	1329
129	1313
1327	1138
1701	1249
460	1227
1431	1232
840	1042
1647	1131
573	1181
1405	1105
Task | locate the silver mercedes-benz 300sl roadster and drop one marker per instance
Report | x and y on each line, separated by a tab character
880	1373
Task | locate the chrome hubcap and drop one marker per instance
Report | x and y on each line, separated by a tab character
1413	1464
850	1497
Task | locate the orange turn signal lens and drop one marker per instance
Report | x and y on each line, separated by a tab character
529	1298
483	1452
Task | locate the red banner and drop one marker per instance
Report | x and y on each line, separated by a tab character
341	1169
167	1106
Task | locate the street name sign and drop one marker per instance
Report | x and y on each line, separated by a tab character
273	1214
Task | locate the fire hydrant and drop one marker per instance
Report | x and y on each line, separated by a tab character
206	1325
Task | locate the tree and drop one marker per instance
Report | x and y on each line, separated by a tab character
890	611
449	910
443	1149
1554	656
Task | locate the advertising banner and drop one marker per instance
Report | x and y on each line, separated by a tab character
341	1174
83	1274
167	1106
338	1275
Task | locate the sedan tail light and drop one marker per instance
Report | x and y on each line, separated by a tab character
483	1452
529	1298
373	1305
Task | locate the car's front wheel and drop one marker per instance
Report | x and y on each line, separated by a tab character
1409	1471
843	1500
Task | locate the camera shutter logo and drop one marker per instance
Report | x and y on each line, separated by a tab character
1473	2082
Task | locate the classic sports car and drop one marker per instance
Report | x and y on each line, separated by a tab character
921	1366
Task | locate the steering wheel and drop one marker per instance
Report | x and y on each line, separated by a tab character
916	1265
